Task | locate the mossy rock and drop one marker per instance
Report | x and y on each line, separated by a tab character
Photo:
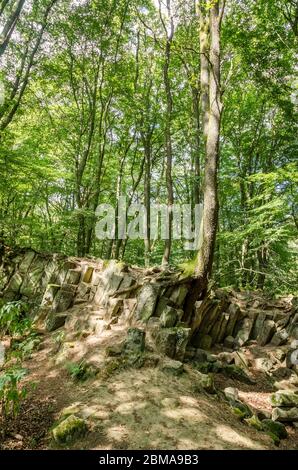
69	430
274	438
254	422
204	367
241	410
284	398
205	382
275	427
236	372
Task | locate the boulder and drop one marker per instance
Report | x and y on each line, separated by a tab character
226	357
14	284
135	341
285	415
240	359
279	354
261	317
64	298
254	422
182	338
284	399
205	342
172	367
147	301
73	276
234	313
280	338
263	414
237	373
162	304
87	274
114	308
231	394
178	295
229	342
292	358
267	331
204	382
223	328
263	364
165	341
26	262
168	317
69	430
201	355
294	345
241	410
275	427
190	353
243	334
55	321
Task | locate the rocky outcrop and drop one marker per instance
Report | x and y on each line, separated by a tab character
57	288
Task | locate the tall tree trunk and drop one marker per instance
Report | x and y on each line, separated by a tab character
211	118
168	136
211	206
197	141
147	196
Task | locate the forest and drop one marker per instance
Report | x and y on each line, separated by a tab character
110	112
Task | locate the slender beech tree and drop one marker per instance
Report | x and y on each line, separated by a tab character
169	33
211	103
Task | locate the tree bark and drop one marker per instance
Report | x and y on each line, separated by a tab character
211	119
168	136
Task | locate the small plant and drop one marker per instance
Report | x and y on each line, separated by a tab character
14	319
11	394
25	348
80	371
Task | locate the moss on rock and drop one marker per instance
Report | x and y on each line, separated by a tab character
69	430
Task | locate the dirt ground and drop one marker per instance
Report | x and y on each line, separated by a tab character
136	409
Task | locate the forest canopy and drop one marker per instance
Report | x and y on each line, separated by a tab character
105	98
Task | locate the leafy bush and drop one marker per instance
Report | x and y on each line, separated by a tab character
14	319
11	394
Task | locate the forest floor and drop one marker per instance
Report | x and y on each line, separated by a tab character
137	409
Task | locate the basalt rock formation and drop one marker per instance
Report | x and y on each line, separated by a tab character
60	289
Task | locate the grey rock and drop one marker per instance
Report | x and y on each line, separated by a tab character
243	334
201	355
172	367
204	382
263	364
275	427
64	298
261	317
285	415
229	342
165	341
231	394
168	317
55	321
206	342
284	399
280	338
147	301
69	430
267	331
182	338
135	341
